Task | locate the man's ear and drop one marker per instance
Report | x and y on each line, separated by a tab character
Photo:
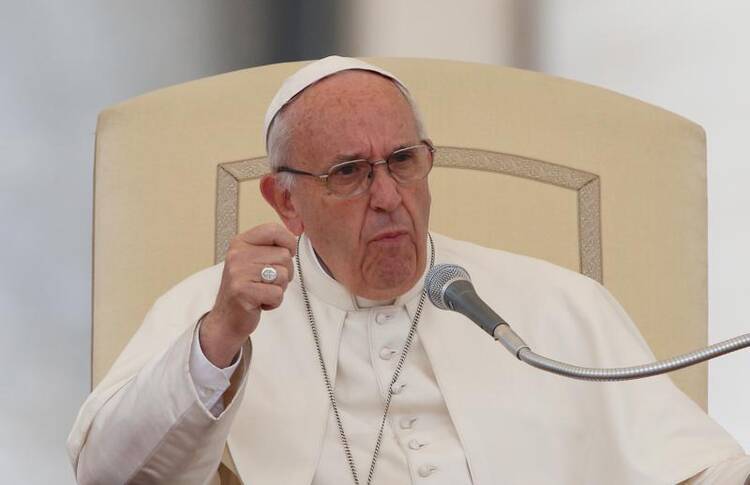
280	199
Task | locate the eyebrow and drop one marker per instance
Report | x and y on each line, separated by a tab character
345	157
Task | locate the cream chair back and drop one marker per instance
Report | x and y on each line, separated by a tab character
574	174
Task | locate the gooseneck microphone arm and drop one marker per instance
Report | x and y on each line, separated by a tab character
449	288
512	341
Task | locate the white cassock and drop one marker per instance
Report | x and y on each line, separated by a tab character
465	411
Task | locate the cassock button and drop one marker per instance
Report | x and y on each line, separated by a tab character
426	470
397	388
407	422
386	353
382	318
416	445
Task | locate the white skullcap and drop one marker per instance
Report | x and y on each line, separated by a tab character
314	72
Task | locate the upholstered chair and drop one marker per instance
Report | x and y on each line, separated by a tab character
574	174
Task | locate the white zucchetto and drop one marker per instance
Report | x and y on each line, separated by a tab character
314	72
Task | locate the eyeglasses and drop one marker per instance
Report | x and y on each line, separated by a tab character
354	177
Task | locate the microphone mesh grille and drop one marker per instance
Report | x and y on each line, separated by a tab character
439	278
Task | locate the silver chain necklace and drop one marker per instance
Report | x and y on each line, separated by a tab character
327	379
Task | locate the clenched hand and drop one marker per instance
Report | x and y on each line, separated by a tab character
243	294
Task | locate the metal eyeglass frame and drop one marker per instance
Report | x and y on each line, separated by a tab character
324	177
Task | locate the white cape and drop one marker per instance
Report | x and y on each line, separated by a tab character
518	425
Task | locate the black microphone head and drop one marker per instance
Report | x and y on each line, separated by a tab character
438	279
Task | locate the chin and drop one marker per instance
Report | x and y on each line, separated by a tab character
393	273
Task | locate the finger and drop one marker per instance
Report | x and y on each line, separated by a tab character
271	234
273	256
282	274
286	271
265	296
290	269
264	255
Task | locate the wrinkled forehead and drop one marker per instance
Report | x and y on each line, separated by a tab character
346	116
312	74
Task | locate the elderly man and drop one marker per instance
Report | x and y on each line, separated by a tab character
351	378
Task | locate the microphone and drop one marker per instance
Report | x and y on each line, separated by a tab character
449	287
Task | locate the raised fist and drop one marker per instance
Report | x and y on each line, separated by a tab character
244	293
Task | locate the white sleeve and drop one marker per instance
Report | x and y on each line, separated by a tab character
210	381
153	427
735	471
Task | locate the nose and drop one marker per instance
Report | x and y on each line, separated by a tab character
384	194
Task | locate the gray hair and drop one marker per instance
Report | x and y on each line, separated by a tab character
280	137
